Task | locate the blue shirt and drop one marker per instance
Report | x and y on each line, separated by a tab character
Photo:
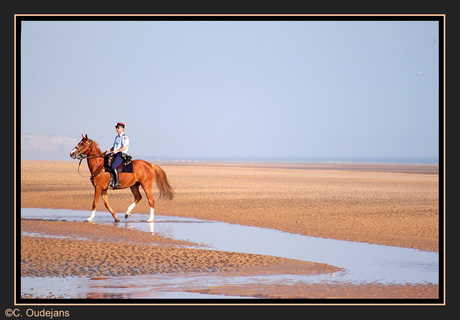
121	141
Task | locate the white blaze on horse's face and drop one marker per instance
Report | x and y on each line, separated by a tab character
77	152
73	152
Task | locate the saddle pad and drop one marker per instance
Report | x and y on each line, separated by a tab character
125	168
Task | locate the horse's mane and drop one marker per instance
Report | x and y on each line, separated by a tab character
96	145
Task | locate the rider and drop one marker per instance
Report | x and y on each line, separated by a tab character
120	146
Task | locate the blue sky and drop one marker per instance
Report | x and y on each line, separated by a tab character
342	90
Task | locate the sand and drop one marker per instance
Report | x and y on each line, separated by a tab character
330	291
394	205
82	249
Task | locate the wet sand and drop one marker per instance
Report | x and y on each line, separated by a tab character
382	204
62	248
301	290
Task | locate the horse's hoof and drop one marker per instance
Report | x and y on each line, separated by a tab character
127	216
89	220
117	220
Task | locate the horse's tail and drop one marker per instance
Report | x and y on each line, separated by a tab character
162	183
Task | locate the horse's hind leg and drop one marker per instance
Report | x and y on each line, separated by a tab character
105	197
137	198
148	193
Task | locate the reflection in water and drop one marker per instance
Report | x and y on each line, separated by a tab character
105	295
132	225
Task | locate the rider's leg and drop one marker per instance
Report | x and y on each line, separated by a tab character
116	162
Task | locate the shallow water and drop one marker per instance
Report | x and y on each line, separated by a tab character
362	262
126	287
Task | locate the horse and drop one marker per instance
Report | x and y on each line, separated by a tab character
144	174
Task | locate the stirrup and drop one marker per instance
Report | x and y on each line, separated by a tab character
113	186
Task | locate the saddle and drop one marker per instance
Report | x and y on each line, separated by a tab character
125	166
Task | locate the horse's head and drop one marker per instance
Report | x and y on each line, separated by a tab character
82	149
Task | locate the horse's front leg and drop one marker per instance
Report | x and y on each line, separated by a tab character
97	195
105	197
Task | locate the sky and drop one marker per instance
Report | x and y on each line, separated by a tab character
229	90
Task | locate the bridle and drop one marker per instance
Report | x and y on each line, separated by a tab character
81	154
84	153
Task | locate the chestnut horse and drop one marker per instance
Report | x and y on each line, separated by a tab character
144	174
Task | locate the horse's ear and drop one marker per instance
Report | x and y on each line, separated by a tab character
82	136
86	137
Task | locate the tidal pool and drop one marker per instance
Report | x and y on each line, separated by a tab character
362	262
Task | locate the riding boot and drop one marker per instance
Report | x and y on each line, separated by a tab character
116	179
112	179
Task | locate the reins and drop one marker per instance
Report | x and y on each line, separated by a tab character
83	156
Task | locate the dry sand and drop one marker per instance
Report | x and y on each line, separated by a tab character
384	204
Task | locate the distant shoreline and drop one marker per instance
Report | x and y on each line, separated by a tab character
27	155
64	155
414	168
54	147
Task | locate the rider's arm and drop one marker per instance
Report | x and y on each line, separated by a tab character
121	149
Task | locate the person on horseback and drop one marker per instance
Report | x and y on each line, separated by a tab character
120	145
